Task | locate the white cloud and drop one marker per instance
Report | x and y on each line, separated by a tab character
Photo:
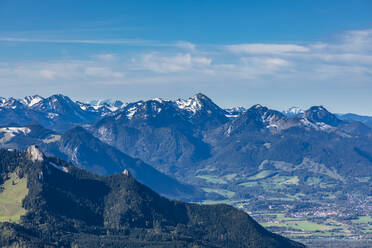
122	42
106	56
186	45
347	59
68	70
48	74
102	72
266	48
356	41
159	63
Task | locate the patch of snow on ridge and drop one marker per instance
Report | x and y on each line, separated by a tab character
31	100
15	130
158	100
113	108
271	120
318	125
61	168
131	112
9	132
52	138
232	116
228	132
111	105
52	115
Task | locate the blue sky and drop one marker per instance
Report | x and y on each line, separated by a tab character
276	53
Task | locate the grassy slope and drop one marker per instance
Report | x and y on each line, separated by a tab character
14	191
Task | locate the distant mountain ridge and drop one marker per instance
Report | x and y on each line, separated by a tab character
170	135
46	110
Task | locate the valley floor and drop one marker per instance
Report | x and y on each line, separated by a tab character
301	208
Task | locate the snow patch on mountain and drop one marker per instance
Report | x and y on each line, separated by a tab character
31	100
10	103
319	118
293	111
52	138
317	125
52	115
15	130
107	104
191	105
7	133
131	111
61	168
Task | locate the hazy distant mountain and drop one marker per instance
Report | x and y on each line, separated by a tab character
367	120
57	112
262	134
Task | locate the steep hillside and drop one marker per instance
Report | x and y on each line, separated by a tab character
69	207
85	151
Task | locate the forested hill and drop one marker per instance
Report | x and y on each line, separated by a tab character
64	206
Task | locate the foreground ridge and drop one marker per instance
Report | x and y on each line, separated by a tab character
69	207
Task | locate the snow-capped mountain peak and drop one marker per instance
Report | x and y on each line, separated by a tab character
293	111
191	105
320	118
31	100
10	103
258	117
234	112
111	105
199	103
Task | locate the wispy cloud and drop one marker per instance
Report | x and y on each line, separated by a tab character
106	56
160	63
132	42
266	48
337	62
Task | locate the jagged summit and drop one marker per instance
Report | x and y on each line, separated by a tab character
10	103
195	103
201	110
31	100
192	104
259	116
106	104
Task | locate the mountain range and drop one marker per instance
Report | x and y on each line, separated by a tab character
184	136
194	150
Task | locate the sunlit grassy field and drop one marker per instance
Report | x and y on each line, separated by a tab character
14	190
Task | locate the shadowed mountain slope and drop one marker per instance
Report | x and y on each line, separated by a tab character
69	207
